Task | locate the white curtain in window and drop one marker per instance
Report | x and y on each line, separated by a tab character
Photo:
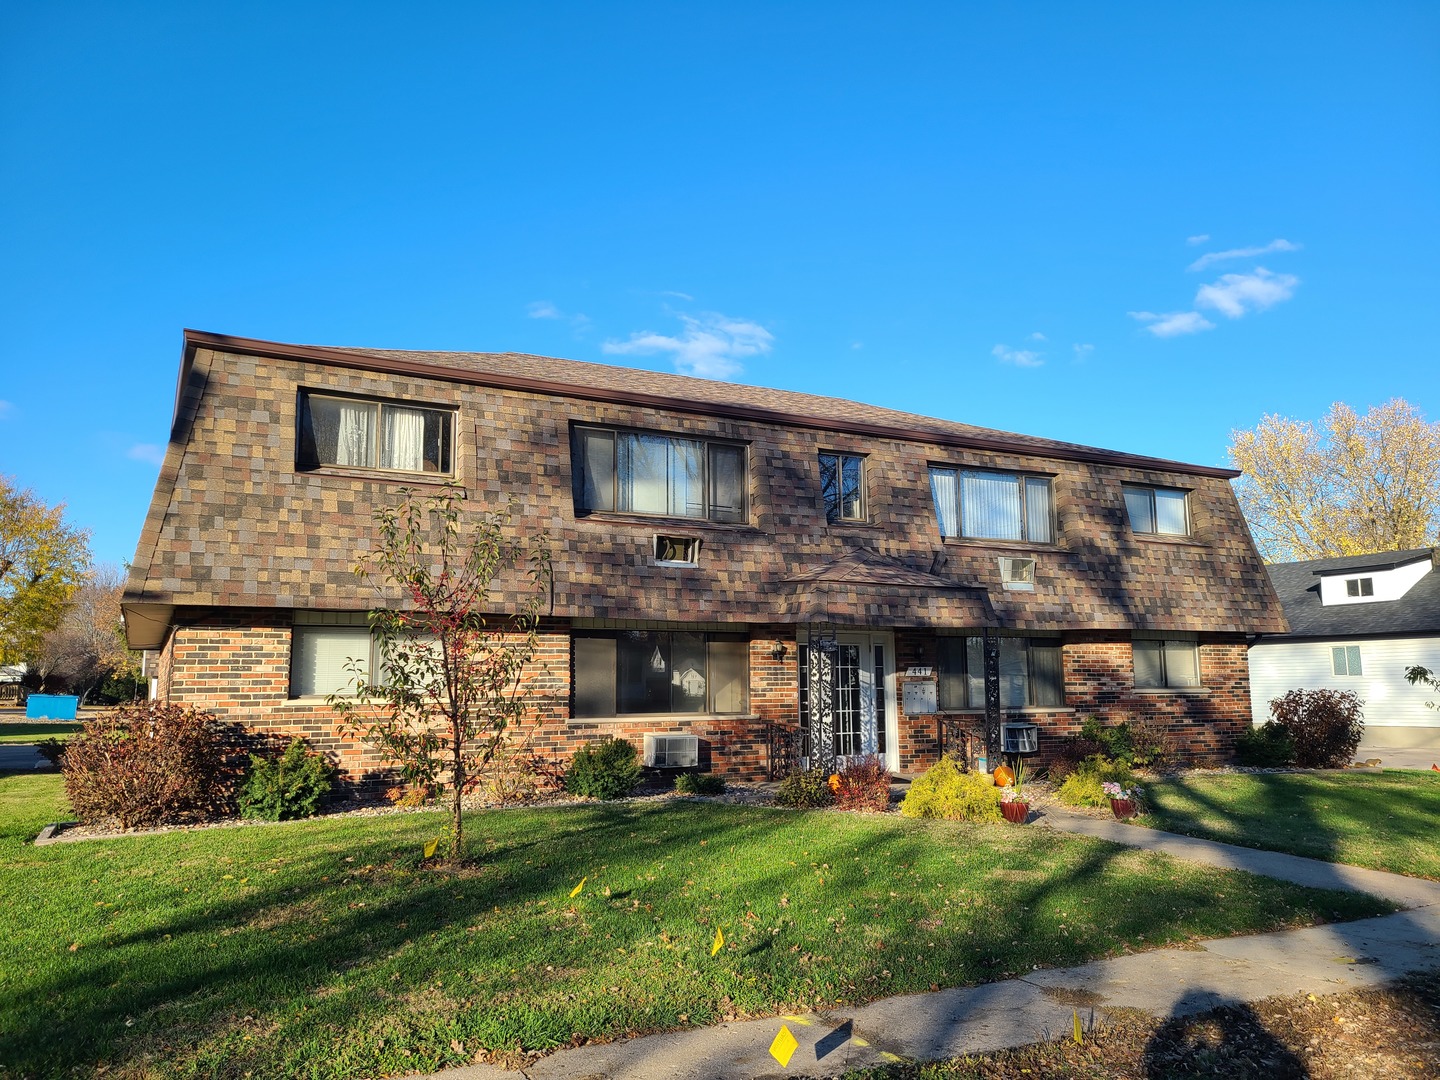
945	489
1013	671
990	505
355	444
1182	663
1037	509
687	478
404	445
318	657
643	463
1170	513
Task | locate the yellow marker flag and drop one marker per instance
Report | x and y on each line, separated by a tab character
784	1046
430	848
1077	1024
576	890
719	944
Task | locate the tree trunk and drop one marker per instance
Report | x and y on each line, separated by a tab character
457	780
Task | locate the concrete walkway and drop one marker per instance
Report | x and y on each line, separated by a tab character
18	756
1165	982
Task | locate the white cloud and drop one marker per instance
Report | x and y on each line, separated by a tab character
1018	357
1213	257
1200	239
1037	336
147	452
677	295
1173	323
544	309
711	346
1236	294
1083	352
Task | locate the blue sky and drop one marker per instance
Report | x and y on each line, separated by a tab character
1138	226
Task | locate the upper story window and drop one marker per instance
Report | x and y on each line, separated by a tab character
1168	663
993	505
842	482
635	472
1158	511
368	434
1360	586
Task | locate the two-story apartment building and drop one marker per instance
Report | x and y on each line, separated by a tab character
731	562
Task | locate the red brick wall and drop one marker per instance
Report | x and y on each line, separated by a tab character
236	664
1099	681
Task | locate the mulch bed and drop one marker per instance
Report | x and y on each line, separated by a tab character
1380	1034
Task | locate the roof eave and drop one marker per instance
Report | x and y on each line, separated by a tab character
998	443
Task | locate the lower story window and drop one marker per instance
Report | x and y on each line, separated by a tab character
1167	663
1031	674
634	672
322	646
1345	660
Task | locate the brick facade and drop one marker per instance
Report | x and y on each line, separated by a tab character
239	537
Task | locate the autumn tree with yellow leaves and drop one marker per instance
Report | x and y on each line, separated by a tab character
42	562
1346	485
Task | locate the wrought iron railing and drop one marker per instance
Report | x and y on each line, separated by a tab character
786	750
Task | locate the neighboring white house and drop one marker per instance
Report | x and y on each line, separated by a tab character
1357	623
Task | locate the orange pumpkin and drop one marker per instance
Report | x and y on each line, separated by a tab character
835	782
1004	776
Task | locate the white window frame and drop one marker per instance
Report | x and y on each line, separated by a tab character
1345	661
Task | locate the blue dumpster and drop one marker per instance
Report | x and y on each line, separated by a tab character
51	707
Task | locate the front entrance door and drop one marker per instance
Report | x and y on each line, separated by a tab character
862	713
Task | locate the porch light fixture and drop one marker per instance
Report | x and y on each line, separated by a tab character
778	652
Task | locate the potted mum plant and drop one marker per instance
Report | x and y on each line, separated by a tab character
1124	802
1014	803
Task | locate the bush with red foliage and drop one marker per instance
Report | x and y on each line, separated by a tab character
863	785
153	763
1325	726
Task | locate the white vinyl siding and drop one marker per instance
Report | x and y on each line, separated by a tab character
1277	667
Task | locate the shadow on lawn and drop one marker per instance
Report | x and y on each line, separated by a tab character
281	949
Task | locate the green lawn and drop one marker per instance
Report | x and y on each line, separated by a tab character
1386	820
322	948
29	731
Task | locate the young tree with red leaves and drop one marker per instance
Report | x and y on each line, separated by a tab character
448	680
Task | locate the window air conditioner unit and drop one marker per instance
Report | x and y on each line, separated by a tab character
1020	738
672	751
1017	573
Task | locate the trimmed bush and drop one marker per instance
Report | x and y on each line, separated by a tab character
294	785
805	790
1083	786
1267	747
1114	740
699	783
154	763
604	770
946	792
1325	726
863	785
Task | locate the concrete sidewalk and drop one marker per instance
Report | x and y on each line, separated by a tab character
1165	982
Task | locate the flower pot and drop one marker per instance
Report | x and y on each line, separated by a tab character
1015	812
1123	808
